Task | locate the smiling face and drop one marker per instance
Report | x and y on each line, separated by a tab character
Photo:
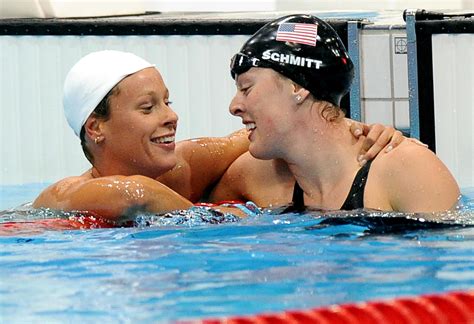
265	102
139	135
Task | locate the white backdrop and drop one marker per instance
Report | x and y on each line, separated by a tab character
453	83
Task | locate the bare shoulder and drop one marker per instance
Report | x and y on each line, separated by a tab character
415	179
58	191
408	157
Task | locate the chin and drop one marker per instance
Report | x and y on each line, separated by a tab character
168	164
159	167
259	153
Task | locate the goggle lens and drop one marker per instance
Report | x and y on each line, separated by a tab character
241	63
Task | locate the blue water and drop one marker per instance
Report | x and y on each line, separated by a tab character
270	263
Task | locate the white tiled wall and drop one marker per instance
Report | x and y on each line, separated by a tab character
399	64
401	114
375	65
384	81
378	111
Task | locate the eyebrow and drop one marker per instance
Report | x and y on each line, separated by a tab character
152	92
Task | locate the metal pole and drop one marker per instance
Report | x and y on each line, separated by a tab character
353	49
414	107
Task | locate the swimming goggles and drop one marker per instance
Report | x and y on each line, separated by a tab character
241	63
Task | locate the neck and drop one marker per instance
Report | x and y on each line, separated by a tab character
326	165
95	173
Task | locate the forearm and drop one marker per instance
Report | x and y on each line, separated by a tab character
218	152
202	161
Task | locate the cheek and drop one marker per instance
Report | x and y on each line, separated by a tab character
269	122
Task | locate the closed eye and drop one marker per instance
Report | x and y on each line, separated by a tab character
245	90
146	108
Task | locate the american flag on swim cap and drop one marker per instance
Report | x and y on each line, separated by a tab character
298	33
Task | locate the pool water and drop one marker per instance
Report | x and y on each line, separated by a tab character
270	263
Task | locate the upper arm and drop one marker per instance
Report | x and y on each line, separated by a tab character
418	181
265	182
57	194
111	197
231	184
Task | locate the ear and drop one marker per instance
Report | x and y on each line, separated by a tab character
300	93
93	127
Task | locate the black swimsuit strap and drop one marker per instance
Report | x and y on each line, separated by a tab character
355	198
298	198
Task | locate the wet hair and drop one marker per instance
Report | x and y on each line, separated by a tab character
101	111
331	112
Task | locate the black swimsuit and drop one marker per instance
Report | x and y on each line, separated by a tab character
354	200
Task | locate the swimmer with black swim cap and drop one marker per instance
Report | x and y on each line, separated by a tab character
290	77
303	48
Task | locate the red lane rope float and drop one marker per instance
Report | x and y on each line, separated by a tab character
446	308
79	222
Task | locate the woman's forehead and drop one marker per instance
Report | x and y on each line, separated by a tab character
255	74
149	78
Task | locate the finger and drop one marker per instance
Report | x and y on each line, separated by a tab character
373	134
378	144
377	147
396	139
357	128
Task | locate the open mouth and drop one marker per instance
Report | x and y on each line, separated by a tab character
164	139
250	126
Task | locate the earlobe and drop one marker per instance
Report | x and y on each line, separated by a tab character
300	93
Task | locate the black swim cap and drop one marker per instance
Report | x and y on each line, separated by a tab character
303	48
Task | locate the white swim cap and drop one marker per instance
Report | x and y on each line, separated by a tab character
91	78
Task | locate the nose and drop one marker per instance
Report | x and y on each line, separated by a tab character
236	107
171	118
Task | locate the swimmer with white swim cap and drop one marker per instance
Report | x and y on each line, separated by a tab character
118	104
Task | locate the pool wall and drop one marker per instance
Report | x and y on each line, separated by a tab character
192	51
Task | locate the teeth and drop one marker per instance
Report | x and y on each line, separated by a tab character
250	126
164	139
